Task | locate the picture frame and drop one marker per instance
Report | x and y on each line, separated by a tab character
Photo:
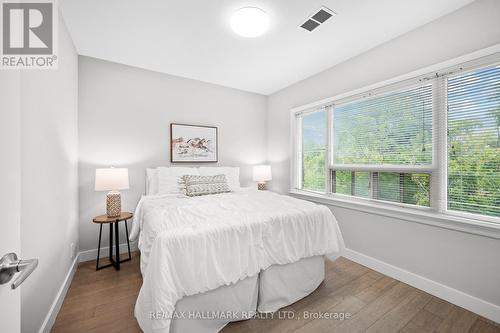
193	143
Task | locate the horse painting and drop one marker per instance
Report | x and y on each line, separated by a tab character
193	143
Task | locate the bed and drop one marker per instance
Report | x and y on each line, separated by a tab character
212	259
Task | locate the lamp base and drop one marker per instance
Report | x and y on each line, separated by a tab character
113	204
261	186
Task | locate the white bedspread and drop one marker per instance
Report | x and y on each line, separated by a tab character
191	245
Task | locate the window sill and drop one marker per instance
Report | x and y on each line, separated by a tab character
446	221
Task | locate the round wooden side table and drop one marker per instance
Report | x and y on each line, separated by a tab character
104	219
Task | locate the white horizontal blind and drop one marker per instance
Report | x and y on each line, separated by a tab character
392	129
474	142
383	146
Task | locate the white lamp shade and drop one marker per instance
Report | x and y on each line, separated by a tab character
110	179
262	173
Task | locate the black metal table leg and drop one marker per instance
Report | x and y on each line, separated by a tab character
114	240
97	267
111	242
128	241
114	245
117	241
98	248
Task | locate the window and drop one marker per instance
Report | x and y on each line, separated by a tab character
474	142
351	183
314	151
373	134
393	129
429	142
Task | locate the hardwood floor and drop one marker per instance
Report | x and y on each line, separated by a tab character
104	301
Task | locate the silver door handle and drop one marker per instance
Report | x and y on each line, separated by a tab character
10	265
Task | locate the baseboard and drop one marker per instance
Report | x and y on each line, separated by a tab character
80	257
58	301
454	296
92	254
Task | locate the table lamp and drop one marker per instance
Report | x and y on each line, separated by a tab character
112	180
262	174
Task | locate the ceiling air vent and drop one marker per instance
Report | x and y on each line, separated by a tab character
317	18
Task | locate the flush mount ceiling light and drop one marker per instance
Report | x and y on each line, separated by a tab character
250	22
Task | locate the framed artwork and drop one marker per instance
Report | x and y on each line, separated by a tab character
193	143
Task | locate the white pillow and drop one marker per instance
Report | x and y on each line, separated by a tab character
232	175
169	179
151	181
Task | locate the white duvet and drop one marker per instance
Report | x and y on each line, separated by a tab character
192	245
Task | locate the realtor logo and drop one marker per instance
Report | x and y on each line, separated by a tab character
28	35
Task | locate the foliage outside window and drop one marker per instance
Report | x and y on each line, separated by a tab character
382	145
474	142
393	129
314	151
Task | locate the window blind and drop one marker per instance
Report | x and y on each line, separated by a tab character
394	129
474	142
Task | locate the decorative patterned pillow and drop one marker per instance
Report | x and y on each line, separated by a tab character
232	175
202	185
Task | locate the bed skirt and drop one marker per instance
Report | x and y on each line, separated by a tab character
272	289
282	285
218	307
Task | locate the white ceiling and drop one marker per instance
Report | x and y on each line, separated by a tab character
193	39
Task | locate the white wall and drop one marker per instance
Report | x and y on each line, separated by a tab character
49	183
124	120
462	261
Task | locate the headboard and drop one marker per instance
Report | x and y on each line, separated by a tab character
151	181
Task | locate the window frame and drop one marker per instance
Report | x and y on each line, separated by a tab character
298	151
438	76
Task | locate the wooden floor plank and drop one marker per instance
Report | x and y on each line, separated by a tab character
423	321
351	304
374	291
484	326
458	320
397	318
103	302
439	307
376	309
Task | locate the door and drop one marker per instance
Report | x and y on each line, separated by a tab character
10	193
